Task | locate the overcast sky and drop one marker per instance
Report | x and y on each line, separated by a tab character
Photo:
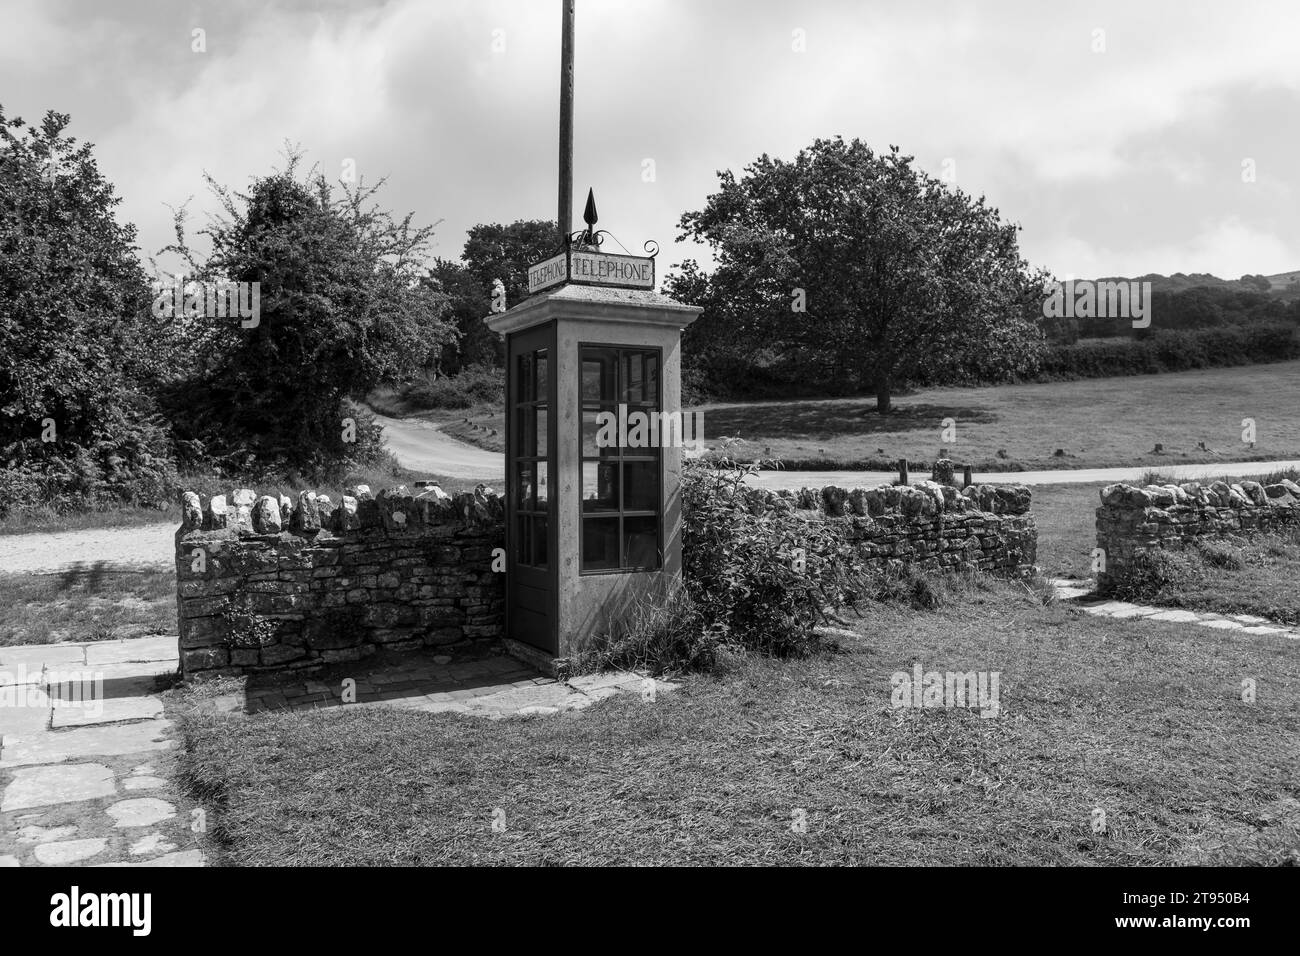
1116	162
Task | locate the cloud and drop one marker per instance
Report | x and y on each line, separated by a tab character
1109	159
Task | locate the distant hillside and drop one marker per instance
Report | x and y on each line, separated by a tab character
1284	284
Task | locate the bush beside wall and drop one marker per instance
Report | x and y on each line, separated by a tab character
1133	522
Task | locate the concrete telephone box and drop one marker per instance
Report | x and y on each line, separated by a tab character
593	458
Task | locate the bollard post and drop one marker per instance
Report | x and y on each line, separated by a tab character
966	476
902	471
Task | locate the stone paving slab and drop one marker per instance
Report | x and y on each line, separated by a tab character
110	711
81	778
82	743
1241	623
62	783
137	649
37	655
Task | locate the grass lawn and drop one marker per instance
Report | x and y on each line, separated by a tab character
89	604
1066	518
1255	574
1143	720
1096	423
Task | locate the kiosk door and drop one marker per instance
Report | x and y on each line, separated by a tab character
530	473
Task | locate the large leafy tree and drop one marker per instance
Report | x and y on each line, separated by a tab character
343	308
856	267
492	251
78	351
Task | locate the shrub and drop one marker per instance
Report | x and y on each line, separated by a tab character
476	385
760	577
657	636
1220	555
1150	572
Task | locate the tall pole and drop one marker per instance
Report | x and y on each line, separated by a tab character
565	217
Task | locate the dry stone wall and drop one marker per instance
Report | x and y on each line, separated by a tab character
1132	521
928	525
265	583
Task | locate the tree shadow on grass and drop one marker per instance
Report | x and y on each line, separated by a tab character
89	575
835	419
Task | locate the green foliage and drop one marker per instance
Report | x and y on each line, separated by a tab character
760	578
1173	350
901	276
474	385
343	309
658	636
1219	554
78	349
245	628
1150	572
492	252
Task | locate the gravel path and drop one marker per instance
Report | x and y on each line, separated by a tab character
146	546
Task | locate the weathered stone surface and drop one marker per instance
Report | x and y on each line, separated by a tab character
305	519
266	515
140	812
191	512
62	783
216	516
67	852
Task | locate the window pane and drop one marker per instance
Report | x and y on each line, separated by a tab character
524	439
540	376
599	544
541	542
597	431
524	486
641	377
640	542
599	486
540	426
640	486
542	493
651	377
598	368
524	379
524	539
633	377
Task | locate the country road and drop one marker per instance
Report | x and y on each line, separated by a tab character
777	480
422	446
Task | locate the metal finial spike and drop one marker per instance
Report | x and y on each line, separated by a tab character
589	214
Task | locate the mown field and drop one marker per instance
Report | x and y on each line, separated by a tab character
1093	423
1140	721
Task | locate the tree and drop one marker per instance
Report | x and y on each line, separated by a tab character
343	308
857	267
78	351
493	251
